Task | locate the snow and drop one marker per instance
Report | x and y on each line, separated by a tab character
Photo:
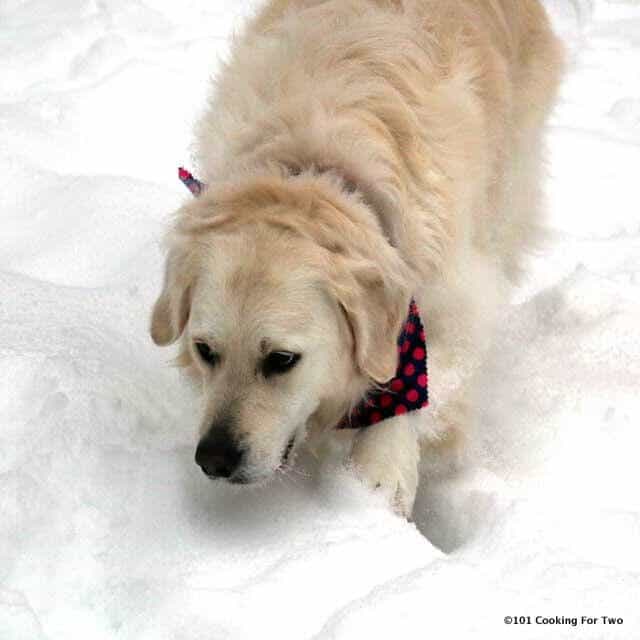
109	530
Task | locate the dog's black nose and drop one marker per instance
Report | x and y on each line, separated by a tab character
218	454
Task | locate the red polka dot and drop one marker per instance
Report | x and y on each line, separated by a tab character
400	409
410	328
397	384
418	353
423	380
385	400
412	395
425	404
375	416
422	336
409	369
405	346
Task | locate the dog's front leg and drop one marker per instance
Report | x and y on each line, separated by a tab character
386	456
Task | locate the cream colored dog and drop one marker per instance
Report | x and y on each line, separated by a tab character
357	153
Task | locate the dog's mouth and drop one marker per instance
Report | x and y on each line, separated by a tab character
240	477
287	450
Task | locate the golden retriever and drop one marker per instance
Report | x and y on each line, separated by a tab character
358	153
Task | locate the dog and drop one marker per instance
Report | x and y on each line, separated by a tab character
358	154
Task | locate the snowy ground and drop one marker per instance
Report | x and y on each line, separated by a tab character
107	528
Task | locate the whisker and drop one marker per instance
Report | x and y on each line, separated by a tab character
284	477
292	470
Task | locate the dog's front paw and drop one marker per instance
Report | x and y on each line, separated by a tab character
385	457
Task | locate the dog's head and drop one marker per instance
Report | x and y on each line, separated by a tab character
288	303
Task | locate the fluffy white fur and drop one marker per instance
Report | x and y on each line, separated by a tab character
359	152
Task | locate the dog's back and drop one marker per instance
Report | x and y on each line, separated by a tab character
432	108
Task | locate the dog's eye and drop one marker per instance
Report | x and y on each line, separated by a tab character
205	352
279	362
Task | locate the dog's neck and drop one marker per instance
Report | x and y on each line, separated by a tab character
351	185
328	177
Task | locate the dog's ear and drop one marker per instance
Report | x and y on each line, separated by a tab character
375	304
171	310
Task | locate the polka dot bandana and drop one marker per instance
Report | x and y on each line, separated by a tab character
408	390
193	184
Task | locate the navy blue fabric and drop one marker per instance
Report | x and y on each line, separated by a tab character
408	390
193	184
